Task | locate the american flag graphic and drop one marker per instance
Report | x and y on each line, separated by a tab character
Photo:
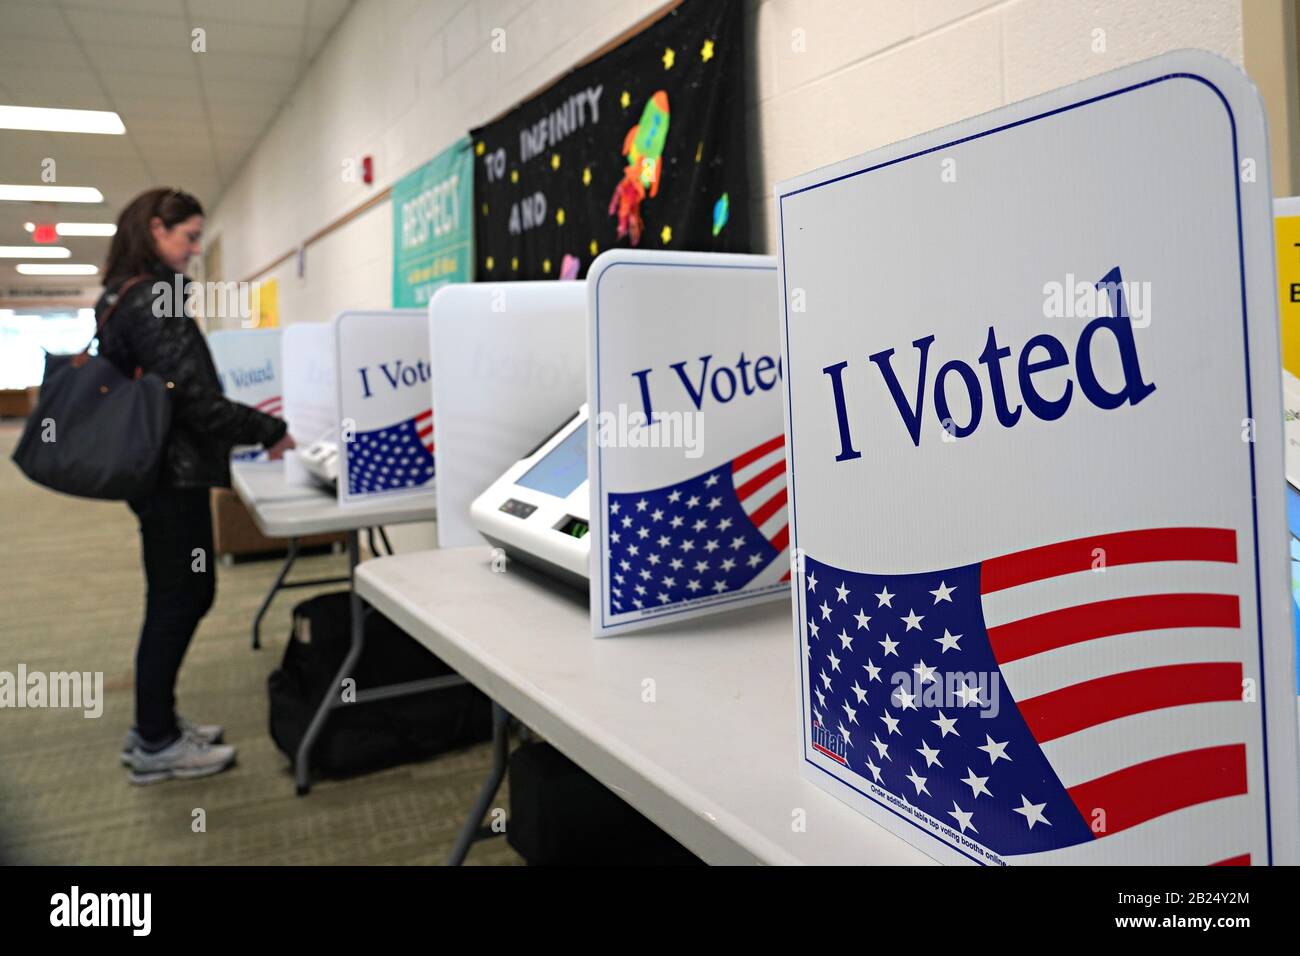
717	532
393	457
1079	691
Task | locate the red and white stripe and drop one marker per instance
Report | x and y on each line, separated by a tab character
1125	655
424	428
759	478
272	406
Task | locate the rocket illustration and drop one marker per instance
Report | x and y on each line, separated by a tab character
644	148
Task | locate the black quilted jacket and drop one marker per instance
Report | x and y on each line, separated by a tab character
205	424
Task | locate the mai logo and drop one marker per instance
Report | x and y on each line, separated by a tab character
830	743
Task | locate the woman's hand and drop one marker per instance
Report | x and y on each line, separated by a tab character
276	451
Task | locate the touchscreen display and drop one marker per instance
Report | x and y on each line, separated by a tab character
563	469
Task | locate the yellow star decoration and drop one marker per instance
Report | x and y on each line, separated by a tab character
485	209
490	263
666	234
546	266
625	100
586	176
595	249
514	263
670	57
699	151
478	148
559	217
555	160
514	175
706	51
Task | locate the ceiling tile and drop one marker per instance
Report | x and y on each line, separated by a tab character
41	21
192	118
173	60
239	66
62	89
265	40
291	13
19	53
154	8
104	28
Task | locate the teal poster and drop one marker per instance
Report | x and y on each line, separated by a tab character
433	230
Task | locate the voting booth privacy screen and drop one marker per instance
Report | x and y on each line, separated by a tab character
310	391
248	361
509	366
686	447
1036	491
385	400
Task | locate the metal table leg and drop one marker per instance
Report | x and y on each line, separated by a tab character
289	558
469	830
302	764
280	584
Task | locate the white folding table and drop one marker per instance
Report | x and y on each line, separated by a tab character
693	724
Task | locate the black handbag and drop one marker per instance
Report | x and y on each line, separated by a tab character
94	432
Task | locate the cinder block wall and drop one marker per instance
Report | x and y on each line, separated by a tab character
402	79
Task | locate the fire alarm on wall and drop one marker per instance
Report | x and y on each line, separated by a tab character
367	170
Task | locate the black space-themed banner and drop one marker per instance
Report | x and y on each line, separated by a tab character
642	147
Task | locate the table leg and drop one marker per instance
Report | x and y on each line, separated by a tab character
289	558
500	746
302	764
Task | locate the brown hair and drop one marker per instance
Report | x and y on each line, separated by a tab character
132	251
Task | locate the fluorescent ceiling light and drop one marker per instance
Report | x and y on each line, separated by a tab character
86	229
60	121
61	269
34	252
79	228
20	193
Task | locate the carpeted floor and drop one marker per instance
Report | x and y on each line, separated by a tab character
72	590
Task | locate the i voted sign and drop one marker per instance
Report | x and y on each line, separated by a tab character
385	391
1031	388
248	362
686	449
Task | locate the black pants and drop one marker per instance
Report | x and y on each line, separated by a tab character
180	584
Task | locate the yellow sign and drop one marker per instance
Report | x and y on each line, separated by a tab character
1287	229
266	304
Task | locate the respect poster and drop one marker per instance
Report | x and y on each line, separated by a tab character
433	241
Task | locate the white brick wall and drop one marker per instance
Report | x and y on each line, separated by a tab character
401	79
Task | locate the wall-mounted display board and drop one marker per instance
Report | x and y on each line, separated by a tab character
385	401
248	361
644	146
433	228
1036	479
685	440
509	365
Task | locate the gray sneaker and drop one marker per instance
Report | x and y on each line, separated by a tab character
190	756
211	733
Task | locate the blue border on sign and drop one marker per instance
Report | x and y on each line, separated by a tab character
1241	263
600	484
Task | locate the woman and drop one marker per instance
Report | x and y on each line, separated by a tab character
157	234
